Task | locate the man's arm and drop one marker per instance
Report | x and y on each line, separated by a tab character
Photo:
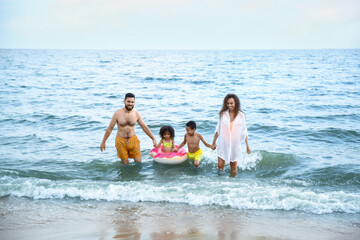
158	145
108	131
145	128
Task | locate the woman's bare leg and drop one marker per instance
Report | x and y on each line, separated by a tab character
233	166
221	163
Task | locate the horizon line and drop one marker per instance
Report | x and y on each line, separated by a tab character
177	49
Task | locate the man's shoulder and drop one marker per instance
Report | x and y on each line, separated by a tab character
119	111
136	113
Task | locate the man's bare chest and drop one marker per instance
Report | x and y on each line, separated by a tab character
127	120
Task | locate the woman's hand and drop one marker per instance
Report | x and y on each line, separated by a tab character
248	150
102	146
213	147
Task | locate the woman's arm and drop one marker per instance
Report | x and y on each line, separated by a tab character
248	150
217	130
213	146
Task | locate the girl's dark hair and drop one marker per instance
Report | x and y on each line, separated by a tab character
167	128
237	104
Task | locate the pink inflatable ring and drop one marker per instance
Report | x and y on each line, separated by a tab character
169	157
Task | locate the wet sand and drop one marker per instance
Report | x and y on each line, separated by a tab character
74	219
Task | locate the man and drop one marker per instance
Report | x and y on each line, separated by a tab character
127	144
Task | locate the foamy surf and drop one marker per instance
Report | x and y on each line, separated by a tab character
240	195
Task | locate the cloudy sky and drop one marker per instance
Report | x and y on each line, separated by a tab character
180	24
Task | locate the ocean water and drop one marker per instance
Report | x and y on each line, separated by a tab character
302	109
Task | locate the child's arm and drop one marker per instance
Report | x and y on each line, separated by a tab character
181	144
159	144
205	143
173	145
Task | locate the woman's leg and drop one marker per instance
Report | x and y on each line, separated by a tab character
233	166
221	163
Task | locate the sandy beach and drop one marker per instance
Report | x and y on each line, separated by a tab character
60	219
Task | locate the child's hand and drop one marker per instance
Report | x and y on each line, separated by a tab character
176	149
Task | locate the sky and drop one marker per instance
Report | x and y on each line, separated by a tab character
179	24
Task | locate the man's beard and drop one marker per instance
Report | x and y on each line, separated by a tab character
129	108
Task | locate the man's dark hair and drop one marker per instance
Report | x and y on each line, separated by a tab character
129	95
191	124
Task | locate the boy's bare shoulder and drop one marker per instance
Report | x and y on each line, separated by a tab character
198	135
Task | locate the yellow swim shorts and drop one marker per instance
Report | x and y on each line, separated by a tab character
196	155
127	147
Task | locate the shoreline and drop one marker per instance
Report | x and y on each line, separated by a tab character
73	219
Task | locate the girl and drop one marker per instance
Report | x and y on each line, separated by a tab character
167	135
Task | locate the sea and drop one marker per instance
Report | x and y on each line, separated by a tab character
302	111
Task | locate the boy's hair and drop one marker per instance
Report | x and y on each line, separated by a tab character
129	95
167	128
191	124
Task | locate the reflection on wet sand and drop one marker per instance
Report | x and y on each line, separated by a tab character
94	220
126	222
156	222
169	221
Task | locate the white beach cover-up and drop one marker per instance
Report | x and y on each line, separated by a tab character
229	142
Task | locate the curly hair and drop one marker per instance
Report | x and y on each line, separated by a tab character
237	104
167	128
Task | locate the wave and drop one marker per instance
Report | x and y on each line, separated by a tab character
162	79
271	164
105	61
339	175
333	135
241	195
329	135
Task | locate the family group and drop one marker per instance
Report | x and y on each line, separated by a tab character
230	132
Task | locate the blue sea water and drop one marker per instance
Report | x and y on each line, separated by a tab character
302	109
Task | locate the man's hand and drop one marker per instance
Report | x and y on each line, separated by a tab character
102	147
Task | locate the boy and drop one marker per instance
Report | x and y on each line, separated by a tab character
193	139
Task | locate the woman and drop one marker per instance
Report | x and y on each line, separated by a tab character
231	131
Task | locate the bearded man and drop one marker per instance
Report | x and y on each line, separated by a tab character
127	144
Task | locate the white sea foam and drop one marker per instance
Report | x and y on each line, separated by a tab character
249	161
233	194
